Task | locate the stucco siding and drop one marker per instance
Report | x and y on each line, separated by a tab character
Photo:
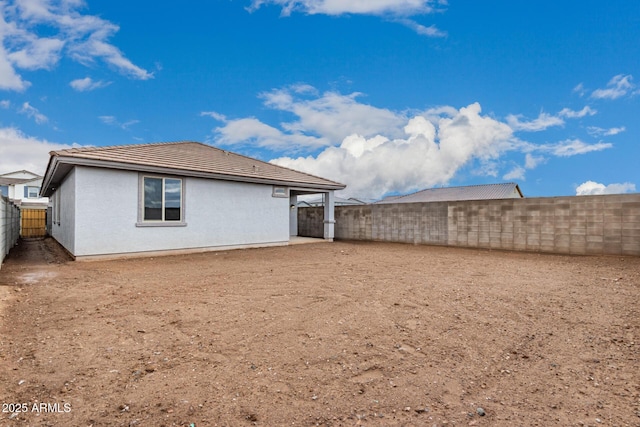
63	228
230	213
216	213
106	211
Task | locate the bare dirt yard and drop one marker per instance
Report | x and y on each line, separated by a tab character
339	334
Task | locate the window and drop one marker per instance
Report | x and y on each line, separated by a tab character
56	207
162	199
32	192
4	190
280	192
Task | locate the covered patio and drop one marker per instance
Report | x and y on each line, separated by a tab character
328	198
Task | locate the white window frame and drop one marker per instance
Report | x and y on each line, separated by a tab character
280	191
142	222
29	188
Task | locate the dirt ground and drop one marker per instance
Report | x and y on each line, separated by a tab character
329	334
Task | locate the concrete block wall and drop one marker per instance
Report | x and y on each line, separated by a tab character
355	222
9	226
630	228
417	223
573	225
311	222
607	224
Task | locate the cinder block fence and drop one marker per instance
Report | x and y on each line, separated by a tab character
9	226
607	224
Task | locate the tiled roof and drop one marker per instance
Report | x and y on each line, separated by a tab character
192	158
449	194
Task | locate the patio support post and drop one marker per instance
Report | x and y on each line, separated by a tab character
293	215
329	211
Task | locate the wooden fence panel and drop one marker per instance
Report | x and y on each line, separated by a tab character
34	223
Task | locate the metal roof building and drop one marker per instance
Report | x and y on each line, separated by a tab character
507	190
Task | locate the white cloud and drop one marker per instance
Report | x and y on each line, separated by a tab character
593	188
108	120
339	7
579	89
39	53
96	48
217	116
430	154
19	151
333	115
546	120
532	162
517	173
543	122
9	79
617	87
570	114
376	151
598	131
33	113
397	10
571	147
319	120
430	31
5	104
253	131
129	123
35	34
112	121
87	84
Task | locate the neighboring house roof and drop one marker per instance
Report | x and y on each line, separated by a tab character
7	179
14	181
449	194
181	158
22	172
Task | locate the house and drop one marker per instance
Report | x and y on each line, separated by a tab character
507	190
177	196
23	189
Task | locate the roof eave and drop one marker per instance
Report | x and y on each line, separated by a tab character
519	191
45	188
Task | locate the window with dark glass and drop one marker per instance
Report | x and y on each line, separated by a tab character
162	199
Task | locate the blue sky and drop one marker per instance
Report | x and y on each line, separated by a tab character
386	96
